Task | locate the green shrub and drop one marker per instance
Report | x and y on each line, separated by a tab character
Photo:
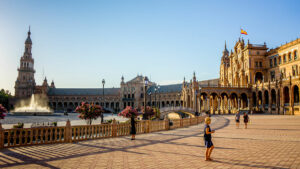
18	126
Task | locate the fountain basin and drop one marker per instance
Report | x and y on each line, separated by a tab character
32	113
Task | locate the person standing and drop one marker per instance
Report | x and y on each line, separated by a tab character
246	119
133	129
207	139
237	119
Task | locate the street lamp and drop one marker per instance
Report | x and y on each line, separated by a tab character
156	90
150	98
103	83
145	91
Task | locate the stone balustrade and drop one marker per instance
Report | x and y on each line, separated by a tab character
69	134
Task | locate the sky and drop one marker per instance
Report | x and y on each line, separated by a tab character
78	43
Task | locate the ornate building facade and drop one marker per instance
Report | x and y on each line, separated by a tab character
251	77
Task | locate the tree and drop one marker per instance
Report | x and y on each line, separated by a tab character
2	111
89	112
128	112
4	98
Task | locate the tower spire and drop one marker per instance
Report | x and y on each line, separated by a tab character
28	40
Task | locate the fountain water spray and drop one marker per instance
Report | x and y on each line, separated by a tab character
37	106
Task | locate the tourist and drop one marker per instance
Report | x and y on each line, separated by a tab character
207	139
133	129
237	119
246	119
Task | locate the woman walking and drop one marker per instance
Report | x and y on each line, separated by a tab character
237	119
246	119
131	113
133	129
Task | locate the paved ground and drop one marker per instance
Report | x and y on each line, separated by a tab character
269	142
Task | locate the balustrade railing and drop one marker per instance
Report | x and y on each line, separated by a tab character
69	134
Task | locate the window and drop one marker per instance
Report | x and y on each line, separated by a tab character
142	95
295	55
275	61
284	58
132	96
272	74
260	64
279	60
290	56
256	64
257	52
271	63
124	95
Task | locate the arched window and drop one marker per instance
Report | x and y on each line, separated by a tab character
290	57
284	58
279	60
295	55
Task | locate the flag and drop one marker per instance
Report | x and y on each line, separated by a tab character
244	32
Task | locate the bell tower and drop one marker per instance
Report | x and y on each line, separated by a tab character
25	83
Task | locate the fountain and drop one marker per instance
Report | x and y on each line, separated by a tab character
36	107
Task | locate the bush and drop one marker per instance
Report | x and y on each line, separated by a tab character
54	123
18	126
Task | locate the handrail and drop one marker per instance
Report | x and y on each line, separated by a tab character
69	134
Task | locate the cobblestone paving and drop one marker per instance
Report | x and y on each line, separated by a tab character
269	142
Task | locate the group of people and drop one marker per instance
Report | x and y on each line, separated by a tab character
207	133
237	119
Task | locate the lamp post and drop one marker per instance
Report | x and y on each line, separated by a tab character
157	89
145	94
150	99
103	83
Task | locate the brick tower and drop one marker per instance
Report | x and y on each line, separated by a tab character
25	83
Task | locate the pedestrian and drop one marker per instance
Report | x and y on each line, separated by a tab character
133	129
237	119
207	139
246	119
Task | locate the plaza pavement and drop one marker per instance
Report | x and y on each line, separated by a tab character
269	142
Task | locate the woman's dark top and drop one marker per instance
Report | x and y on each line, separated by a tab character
133	130
207	137
246	118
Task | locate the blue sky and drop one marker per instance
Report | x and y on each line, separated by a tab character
78	43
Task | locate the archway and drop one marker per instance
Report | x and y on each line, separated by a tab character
234	102
260	99
258	77
254	99
224	103
286	96
296	95
214	102
266	99
244	101
273	98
